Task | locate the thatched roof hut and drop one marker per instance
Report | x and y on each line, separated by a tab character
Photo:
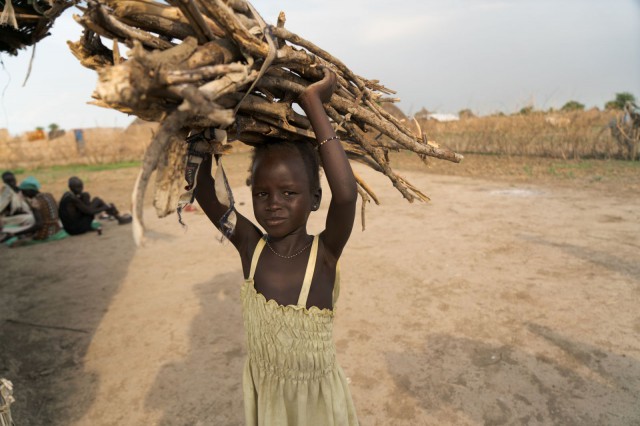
25	22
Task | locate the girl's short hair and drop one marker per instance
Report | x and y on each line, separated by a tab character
305	149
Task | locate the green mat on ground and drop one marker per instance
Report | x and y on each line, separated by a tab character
62	234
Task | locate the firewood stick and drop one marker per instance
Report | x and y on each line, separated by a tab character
192	13
385	115
285	34
239	6
365	199
199	74
376	154
128	33
156	24
90	51
234	28
124	8
366	188
90	24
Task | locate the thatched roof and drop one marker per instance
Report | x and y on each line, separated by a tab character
25	22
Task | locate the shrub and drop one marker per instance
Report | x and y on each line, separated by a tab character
526	110
620	100
572	106
466	113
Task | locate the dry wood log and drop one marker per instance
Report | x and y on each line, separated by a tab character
195	64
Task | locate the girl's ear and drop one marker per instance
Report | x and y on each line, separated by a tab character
316	198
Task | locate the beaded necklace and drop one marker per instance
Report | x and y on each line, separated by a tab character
290	256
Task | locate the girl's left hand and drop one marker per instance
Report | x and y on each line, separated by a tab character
322	89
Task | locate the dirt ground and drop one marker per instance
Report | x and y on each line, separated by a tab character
511	298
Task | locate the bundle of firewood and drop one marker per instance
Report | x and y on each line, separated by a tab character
197	64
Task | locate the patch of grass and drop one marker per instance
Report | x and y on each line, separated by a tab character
630	164
51	174
15	171
581	165
571	169
75	168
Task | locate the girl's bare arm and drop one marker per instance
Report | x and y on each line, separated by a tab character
336	166
245	234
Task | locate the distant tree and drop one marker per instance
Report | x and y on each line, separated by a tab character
526	110
55	131
40	128
572	106
621	99
466	113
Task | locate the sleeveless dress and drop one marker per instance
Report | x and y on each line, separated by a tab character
291	376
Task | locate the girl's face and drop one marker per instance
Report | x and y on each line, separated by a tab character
282	198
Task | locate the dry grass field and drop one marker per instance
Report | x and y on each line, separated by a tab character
511	298
565	135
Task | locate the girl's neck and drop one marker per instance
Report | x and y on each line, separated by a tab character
291	244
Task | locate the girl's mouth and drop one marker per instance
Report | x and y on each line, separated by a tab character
274	221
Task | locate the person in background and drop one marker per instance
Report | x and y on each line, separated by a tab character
15	213
45	212
78	210
79	136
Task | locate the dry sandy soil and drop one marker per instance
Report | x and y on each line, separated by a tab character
510	298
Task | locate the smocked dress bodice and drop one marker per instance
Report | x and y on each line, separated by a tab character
291	376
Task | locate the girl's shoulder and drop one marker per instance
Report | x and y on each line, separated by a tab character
247	249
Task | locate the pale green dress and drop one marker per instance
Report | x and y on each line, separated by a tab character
291	376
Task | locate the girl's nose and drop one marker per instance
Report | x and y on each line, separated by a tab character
273	202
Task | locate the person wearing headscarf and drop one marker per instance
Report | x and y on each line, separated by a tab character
15	213
47	225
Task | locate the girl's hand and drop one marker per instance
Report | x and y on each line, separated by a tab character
321	90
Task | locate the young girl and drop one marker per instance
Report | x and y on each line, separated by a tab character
291	376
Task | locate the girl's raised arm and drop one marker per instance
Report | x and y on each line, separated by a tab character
245	235
336	166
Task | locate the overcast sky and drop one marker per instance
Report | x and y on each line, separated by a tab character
442	55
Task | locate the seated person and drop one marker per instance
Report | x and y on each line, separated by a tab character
45	211
15	213
78	209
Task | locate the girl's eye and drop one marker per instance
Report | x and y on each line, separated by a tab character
289	193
